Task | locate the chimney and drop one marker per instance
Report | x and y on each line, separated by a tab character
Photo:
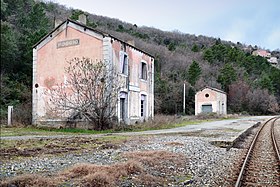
131	42
57	22
83	19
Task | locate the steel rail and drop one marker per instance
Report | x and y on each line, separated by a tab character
241	173
275	144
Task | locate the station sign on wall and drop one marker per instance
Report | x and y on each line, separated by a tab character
68	43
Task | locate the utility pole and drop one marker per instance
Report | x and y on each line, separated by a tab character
184	99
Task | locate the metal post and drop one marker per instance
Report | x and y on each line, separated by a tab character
10	115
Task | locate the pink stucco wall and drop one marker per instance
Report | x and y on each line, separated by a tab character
49	64
52	60
217	99
212	96
135	59
144	87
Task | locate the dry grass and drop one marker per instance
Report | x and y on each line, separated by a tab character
10	149
160	122
141	168
98	179
170	121
29	180
144	166
89	175
159	160
115	170
159	165
99	175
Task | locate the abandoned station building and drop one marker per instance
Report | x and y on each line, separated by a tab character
72	39
210	100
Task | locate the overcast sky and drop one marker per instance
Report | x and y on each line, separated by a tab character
255	22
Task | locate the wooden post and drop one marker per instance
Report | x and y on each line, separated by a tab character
10	115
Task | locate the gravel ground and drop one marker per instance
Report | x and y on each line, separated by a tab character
208	165
277	132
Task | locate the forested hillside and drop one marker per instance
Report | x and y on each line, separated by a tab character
252	84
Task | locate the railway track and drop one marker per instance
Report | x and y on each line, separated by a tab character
261	166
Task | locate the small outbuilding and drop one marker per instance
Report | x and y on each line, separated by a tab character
210	100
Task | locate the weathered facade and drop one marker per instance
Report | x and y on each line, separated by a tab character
210	100
73	39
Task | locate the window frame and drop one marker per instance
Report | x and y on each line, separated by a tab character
123	60
143	105
144	71
123	107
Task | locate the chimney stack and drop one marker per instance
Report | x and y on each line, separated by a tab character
83	19
131	42
57	22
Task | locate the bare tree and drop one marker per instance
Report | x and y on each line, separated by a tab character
89	93
261	102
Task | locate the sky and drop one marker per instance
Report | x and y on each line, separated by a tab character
250	22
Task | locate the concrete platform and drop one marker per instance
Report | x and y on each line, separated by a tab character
226	131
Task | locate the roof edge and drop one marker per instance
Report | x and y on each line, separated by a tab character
215	89
92	29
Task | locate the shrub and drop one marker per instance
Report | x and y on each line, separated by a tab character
101	179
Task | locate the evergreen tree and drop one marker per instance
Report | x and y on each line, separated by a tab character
23	23
266	83
193	73
227	76
9	49
208	55
34	26
195	48
190	101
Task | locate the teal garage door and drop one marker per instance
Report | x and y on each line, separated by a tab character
207	109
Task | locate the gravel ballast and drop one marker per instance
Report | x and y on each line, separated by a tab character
207	165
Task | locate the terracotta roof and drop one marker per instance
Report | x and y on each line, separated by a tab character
262	52
92	29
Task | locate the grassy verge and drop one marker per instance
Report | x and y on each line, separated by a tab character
160	122
17	149
30	131
155	126
33	131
